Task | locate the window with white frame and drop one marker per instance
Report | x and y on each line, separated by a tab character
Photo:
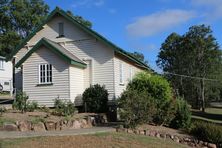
121	73
1	64
45	73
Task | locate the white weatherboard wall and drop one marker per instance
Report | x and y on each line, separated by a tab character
45	95
127	69
51	30
76	82
102	61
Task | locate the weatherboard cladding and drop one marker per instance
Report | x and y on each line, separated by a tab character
102	61
119	88
45	95
76	81
58	11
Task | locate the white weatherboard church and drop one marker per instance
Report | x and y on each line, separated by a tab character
62	58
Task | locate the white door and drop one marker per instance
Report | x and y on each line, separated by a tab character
88	74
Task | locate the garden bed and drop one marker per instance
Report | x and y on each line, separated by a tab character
167	133
45	121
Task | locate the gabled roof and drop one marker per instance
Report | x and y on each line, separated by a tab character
83	27
61	51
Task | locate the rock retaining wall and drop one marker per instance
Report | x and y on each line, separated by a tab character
50	125
190	141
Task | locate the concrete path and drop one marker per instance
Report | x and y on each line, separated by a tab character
92	130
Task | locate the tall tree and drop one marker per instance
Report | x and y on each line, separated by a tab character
18	19
197	54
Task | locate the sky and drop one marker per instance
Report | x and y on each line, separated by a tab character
143	25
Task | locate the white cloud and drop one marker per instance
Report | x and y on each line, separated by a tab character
158	22
151	47
210	9
88	3
112	11
99	2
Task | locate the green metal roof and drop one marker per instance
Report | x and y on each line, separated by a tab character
83	27
61	51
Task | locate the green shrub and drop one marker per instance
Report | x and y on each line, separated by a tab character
159	89
20	102
183	115
44	109
31	106
96	98
136	108
64	108
207	131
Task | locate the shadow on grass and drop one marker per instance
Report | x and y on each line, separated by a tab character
211	116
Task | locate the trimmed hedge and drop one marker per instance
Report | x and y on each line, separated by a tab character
96	98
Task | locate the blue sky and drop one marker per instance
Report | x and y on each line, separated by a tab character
143	25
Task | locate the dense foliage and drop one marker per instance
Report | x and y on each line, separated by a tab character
64	108
21	103
182	117
207	131
159	89
31	106
136	108
18	19
197	54
95	99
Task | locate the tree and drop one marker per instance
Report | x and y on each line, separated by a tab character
18	19
80	19
139	56
197	54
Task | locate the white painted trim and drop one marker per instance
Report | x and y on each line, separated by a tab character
45	67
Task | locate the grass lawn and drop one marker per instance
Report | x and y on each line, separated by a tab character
102	140
211	114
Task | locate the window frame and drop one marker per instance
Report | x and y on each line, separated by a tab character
45	73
